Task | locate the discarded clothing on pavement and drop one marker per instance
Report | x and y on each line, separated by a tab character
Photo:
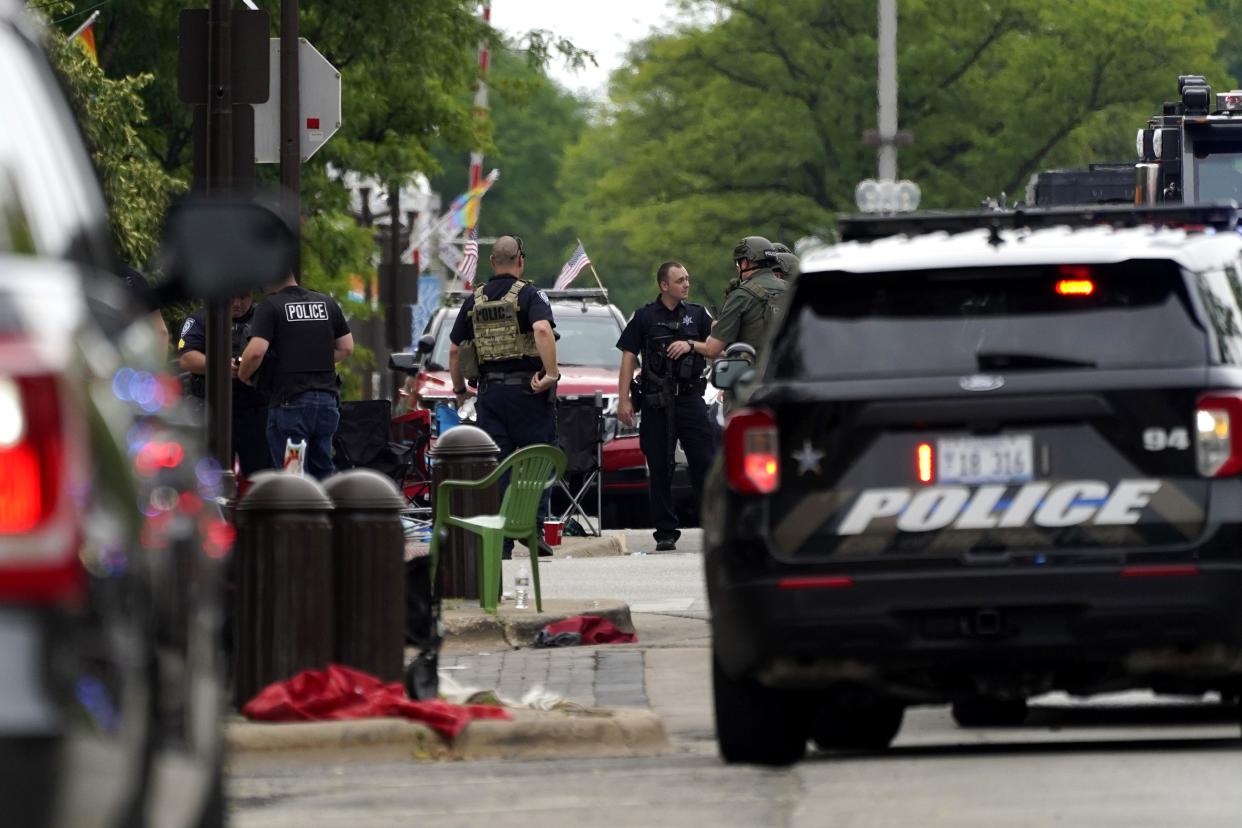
343	693
582	629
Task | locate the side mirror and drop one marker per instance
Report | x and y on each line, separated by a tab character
404	362
216	248
426	344
729	373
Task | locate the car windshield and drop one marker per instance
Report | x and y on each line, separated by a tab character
584	338
962	321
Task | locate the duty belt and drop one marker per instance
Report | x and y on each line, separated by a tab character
678	388
505	377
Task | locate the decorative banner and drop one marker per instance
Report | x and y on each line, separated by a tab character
428	304
451	255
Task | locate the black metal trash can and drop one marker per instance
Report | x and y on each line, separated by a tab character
369	541
463	453
285	621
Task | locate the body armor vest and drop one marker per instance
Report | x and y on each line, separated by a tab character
497	333
656	364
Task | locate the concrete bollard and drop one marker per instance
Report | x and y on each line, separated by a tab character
285	579
369	547
463	453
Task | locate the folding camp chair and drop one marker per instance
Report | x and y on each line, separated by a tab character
580	433
363	440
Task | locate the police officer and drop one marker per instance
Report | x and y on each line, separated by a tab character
751	308
298	336
503	337
787	262
669	336
249	404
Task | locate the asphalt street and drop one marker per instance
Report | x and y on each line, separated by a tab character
1125	760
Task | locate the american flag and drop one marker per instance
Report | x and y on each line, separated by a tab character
572	268
470	259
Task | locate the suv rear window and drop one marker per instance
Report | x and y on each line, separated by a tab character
965	320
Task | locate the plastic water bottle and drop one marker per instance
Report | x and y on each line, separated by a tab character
521	589
295	455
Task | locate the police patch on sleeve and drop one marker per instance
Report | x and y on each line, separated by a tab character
543	294
185	329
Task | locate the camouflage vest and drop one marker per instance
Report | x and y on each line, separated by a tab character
759	320
497	333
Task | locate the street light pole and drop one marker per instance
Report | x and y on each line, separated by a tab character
219	182
290	123
887	90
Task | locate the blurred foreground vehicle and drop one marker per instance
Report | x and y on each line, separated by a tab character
111	542
987	457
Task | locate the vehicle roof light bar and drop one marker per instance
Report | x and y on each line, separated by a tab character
1222	216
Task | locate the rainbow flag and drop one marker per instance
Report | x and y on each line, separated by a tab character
84	37
465	208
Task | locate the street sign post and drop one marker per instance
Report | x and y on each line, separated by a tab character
319	104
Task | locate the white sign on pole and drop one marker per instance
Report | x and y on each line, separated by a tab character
319	104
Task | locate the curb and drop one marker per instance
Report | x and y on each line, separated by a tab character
583	547
515	629
532	734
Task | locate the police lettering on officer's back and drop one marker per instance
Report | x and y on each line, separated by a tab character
306	312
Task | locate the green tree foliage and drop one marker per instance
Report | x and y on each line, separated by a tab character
534	121
753	123
110	111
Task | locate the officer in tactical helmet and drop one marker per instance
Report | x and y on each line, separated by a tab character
786	262
503	340
669	337
751	309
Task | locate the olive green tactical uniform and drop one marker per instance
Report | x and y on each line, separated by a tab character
746	311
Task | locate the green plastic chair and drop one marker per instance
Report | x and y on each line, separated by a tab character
531	470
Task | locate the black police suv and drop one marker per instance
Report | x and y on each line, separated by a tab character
111	540
984	458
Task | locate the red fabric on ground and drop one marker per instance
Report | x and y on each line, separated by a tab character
594	630
342	693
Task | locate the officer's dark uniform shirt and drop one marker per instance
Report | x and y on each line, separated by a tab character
194	338
533	306
693	321
301	327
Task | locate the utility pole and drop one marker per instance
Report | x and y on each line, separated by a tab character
388	298
290	124
219	182
887	90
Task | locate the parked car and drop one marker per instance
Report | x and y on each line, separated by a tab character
587	326
985	457
111	542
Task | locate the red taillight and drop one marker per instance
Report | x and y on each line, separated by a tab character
1160	571
30	453
923	462
752	452
1076	280
1217	454
38	535
1075	287
816	582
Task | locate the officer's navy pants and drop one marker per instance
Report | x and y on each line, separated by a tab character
311	416
694	431
514	417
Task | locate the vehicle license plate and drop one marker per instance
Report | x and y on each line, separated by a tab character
1008	459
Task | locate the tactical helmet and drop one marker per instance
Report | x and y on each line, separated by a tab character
787	263
757	249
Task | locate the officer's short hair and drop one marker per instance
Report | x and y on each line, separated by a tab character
506	250
662	271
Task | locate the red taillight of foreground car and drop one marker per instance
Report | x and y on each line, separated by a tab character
752	452
38	538
1218	434
30	452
